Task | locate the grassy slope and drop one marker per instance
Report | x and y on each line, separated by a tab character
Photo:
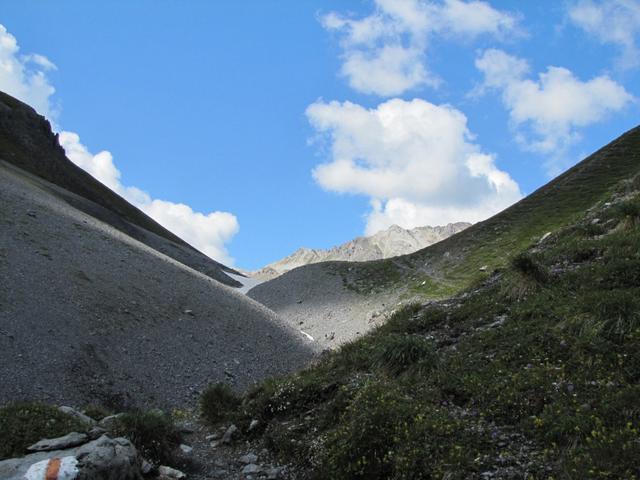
532	371
534	374
453	264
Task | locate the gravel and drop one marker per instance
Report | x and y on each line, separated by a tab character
314	300
90	315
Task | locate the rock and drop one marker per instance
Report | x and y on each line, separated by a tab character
214	436
72	439
101	459
87	420
110	422
146	467
108	459
67	468
544	237
186	449
220	473
253	425
185	427
96	432
166	473
229	434
274	473
251	468
248	458
483	268
189	312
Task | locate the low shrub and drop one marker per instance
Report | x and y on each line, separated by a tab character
217	402
97	412
22	424
153	433
527	266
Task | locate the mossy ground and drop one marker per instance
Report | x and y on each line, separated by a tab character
24	423
533	373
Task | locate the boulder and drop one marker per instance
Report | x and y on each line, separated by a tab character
101	459
108	459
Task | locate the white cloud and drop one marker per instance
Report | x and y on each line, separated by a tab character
384	53
611	21
549	111
24	77
207	232
415	160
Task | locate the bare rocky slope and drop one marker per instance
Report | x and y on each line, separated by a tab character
26	141
351	297
92	312
385	244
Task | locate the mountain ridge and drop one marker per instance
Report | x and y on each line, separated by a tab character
387	243
357	295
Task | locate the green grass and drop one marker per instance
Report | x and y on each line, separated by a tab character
539	367
23	424
454	264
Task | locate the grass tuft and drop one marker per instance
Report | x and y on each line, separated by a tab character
217	402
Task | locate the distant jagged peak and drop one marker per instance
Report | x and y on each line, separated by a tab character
391	242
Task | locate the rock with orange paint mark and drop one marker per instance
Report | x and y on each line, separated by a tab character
101	459
55	468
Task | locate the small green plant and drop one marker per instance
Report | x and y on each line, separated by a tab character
217	402
396	352
22	424
527	266
629	211
153	433
97	412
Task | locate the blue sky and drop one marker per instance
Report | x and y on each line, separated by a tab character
252	128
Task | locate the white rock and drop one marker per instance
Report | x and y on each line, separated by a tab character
253	425
186	449
251	468
67	469
72	439
249	458
87	420
228	435
170	473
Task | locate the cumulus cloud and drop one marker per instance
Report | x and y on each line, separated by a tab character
549	111
207	232
25	77
416	161
611	21
384	53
